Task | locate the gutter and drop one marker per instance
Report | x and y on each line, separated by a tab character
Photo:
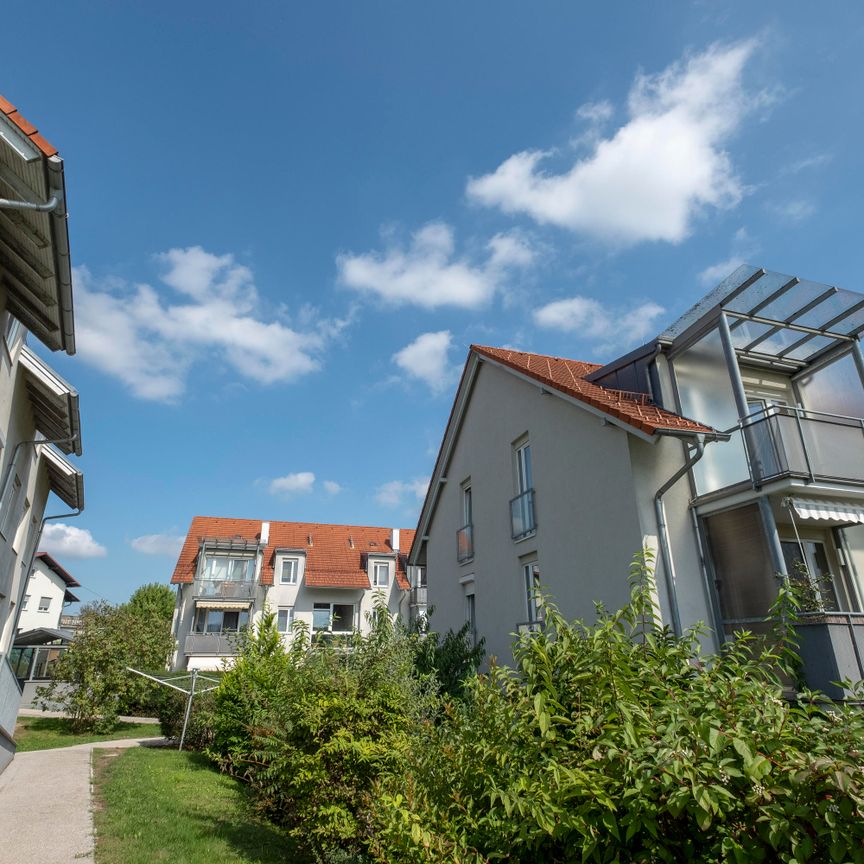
663	531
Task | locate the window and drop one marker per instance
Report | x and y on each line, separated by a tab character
467	511
284	619
290	569
11	330
531	579
26	601
333	618
381	574
524	474
522	517
9	507
223	568
471	617
44	604
829	593
221	620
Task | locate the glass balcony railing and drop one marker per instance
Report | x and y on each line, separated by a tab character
793	442
522	518
224	589
418	595
465	543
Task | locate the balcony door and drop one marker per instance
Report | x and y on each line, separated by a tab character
815	564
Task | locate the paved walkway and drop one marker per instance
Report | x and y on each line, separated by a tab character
45	808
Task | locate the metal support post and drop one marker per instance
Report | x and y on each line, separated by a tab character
188	707
775	550
858	356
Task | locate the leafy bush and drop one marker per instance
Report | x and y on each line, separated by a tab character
91	682
171	711
449	660
312	730
617	742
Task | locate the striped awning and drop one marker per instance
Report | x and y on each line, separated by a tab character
832	511
223	604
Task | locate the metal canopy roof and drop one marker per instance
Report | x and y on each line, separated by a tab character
66	481
775	317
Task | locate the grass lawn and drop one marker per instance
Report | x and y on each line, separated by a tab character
161	805
43	733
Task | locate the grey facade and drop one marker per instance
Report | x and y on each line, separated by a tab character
767	485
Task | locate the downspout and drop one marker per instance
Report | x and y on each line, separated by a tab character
663	532
48	207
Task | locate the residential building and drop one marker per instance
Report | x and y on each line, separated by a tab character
39	417
329	576
732	446
46	596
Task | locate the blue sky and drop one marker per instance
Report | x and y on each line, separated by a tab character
290	221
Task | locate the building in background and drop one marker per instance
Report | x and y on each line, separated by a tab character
732	445
39	417
47	594
328	576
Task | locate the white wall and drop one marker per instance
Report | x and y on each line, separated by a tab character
43	582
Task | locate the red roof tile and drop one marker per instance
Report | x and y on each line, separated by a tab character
7	108
335	558
568	376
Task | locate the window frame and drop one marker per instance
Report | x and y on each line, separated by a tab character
44	604
24	602
295	576
289	619
211	557
203	613
321	605
530	584
376	565
524	467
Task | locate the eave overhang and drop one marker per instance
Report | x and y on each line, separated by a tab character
54	403
66	481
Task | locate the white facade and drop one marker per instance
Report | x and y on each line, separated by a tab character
45	597
331	582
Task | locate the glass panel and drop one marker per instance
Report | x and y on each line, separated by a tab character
466	506
706	395
382	575
830	308
522	514
289	571
531	573
812	569
218	568
835	388
343	618
214	620
835	446
742	565
797	297
746	331
809	348
229	620
761	289
283	620
321	617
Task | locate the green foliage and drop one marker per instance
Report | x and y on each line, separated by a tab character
450	660
91	682
312	730
153	600
171	710
617	742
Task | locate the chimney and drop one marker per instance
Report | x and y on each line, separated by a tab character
394	539
265	533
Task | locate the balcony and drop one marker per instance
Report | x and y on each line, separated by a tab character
522	520
465	544
212	644
224	589
793	442
418	596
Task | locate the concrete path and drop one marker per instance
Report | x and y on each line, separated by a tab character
45	806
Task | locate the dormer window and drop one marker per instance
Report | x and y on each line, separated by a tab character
289	572
380	574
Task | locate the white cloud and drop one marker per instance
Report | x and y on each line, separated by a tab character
606	326
791	212
398	493
428	272
150	340
743	248
426	358
596	112
651	178
67	541
331	487
158	544
290	484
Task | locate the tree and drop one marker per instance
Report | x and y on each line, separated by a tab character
91	681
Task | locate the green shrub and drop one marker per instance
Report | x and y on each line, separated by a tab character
450	660
312	730
617	742
171	711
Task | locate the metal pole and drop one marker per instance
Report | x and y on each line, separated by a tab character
188	708
858	356
775	550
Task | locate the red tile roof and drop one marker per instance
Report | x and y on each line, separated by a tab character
335	558
27	128
568	376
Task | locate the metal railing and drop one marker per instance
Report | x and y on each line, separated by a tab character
465	543
223	589
215	644
522	519
418	596
786	441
